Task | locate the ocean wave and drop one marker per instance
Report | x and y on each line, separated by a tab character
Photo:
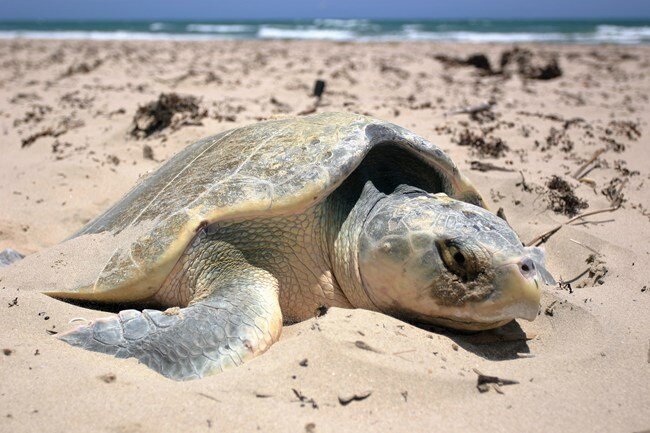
269	32
105	36
156	27
476	37
603	34
219	28
344	24
345	30
334	22
621	34
412	28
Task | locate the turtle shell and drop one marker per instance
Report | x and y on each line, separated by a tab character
272	168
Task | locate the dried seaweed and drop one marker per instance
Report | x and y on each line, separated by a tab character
562	198
630	130
169	110
483	145
529	64
478	60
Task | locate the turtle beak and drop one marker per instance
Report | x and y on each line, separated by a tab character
517	293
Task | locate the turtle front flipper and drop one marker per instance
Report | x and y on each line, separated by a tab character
234	316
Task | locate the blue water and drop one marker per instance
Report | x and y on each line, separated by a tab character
556	31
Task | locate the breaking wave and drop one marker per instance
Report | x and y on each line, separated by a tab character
584	32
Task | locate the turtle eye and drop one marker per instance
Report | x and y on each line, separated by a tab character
455	259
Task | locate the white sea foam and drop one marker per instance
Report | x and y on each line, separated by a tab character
106	36
342	30
333	22
156	27
620	34
412	28
603	34
344	24
219	28
270	32
478	37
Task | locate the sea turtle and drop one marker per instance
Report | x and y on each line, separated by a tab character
271	222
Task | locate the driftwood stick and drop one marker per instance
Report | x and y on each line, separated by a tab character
471	109
595	156
487	166
573	280
545	236
585	246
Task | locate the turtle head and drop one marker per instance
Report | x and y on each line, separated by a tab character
443	261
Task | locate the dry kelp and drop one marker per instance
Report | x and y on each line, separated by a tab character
170	110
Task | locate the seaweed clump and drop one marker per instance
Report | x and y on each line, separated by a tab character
630	130
562	199
478	60
169	110
482	145
534	66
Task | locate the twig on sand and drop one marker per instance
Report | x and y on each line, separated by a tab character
550	310
471	109
483	382
573	280
588	181
585	246
524	186
209	397
595	156
487	166
403	351
584	223
545	236
304	400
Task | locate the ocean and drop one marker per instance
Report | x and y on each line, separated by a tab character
550	31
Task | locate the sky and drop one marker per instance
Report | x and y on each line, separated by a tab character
297	9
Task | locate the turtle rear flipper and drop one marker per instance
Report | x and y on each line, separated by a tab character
236	317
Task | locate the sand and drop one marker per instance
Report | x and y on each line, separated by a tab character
582	365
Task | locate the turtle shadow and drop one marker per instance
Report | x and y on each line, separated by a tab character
504	343
113	307
507	342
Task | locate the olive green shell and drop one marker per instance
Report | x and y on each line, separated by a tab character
267	169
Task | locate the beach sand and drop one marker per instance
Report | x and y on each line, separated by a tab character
66	112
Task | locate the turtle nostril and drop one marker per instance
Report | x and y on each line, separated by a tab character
527	267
